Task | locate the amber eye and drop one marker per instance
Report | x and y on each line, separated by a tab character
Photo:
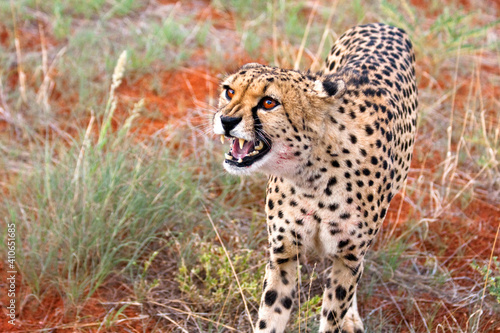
229	93
268	103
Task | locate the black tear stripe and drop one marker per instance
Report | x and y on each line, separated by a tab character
257	124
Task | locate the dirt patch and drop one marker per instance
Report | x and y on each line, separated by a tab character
169	95
5	38
52	311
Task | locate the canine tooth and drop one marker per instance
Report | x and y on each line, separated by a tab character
259	146
228	156
240	160
222	139
242	142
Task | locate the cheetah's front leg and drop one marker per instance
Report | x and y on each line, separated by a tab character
278	294
339	297
352	320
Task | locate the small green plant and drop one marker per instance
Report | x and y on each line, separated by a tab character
141	284
308	311
491	276
210	280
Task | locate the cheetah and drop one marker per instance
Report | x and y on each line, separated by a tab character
336	146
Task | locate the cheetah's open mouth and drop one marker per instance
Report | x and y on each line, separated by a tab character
244	153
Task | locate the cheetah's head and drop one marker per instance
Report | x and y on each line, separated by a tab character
273	117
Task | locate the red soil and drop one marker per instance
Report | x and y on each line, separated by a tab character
174	94
51	311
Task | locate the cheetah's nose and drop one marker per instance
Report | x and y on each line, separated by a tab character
228	123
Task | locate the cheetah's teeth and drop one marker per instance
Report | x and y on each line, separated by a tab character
228	156
259	146
240	160
242	142
222	139
253	153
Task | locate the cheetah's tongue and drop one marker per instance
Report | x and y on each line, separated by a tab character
240	152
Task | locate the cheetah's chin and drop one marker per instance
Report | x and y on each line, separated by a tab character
244	153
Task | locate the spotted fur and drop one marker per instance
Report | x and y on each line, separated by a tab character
338	146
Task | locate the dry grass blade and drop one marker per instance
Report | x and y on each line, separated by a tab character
77	327
306	34
421	315
85	144
112	102
489	266
443	305
299	278
5	113
275	34
452	111
17	43
47	84
232	268
224	305
309	293
397	307
317	57
441	209
165	316
193	315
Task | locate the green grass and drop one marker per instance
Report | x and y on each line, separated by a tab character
453	31
491	276
93	209
206	280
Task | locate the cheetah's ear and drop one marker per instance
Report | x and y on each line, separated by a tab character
329	88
